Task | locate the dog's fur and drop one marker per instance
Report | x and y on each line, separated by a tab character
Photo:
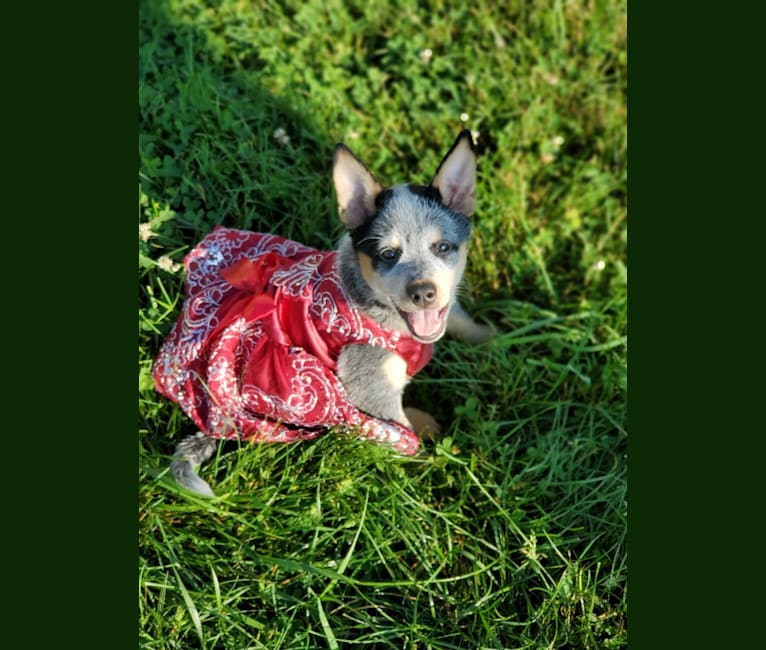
401	261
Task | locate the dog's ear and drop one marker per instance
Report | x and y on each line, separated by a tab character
456	177
355	188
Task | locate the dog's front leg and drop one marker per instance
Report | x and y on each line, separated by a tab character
462	326
374	379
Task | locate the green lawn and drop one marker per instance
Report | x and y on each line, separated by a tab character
510	532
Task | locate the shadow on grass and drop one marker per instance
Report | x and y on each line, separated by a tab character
215	147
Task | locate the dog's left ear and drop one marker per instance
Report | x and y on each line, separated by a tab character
456	177
355	187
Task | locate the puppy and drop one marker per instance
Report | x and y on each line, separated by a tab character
279	342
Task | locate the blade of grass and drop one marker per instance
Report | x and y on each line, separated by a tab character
191	609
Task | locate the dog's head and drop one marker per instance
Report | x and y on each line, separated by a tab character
409	241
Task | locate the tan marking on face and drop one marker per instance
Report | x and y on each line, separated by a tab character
462	257
368	272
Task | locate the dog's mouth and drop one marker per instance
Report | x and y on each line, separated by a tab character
426	325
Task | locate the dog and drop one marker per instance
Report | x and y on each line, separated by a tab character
279	342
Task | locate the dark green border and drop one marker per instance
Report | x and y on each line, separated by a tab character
695	162
657	228
69	234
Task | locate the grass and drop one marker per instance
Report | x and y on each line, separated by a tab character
510	532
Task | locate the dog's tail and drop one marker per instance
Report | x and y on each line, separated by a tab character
191	452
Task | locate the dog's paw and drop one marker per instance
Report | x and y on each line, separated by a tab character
463	327
422	423
478	333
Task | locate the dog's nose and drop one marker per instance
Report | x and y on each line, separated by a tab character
422	292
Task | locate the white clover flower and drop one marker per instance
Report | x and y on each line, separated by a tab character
145	232
425	55
464	117
280	135
167	264
557	141
600	265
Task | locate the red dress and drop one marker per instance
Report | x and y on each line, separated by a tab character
254	350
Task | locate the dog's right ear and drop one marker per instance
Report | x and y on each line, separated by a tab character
355	188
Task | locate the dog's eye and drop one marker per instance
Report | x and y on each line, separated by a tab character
442	247
388	254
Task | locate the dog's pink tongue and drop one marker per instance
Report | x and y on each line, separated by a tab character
425	323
